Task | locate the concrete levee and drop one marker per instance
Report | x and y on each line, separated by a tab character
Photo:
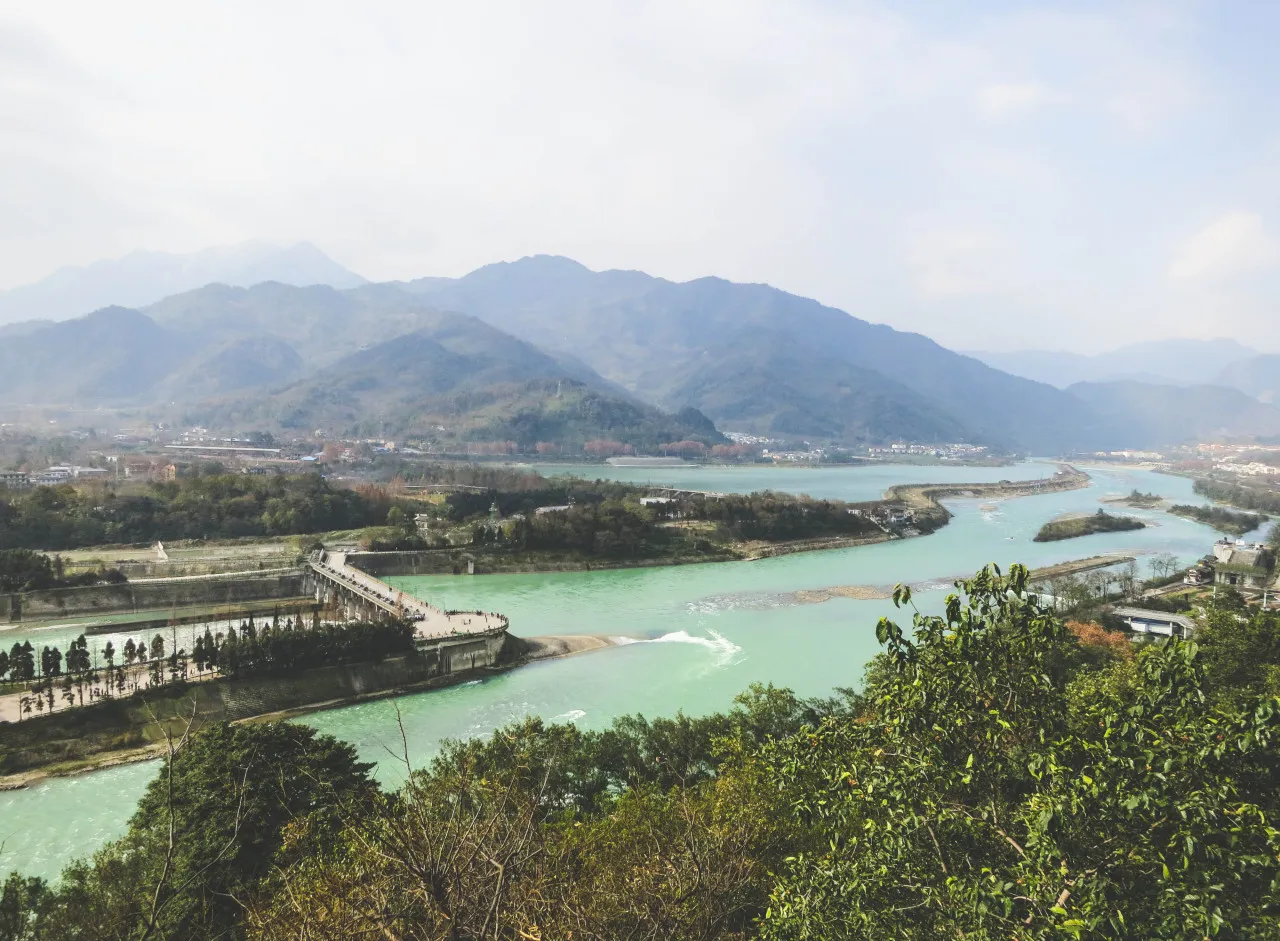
148	596
439	662
419	562
110	725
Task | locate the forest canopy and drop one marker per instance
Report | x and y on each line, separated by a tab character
213	506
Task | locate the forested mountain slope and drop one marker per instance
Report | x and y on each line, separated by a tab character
654	336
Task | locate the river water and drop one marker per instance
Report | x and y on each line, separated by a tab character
696	635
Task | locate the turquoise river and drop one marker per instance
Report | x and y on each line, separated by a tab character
697	635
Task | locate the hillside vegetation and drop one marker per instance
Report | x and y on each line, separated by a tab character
206	506
421	354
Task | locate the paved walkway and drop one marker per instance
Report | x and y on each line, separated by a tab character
430	622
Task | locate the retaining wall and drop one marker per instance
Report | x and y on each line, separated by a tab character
114	724
151	596
439	662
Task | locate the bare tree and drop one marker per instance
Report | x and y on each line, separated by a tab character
1128	578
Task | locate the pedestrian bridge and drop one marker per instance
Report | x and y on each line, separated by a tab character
361	595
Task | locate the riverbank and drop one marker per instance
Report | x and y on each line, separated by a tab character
925	500
125	731
1231	522
161	618
927	497
442	562
1078	566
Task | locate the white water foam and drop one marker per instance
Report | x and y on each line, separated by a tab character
717	643
573	715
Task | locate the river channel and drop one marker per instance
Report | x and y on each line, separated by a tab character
696	635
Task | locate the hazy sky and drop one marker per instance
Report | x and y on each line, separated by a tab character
1069	175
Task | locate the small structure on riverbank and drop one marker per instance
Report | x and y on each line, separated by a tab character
1243	565
1146	621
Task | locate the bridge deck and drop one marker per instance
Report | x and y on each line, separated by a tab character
429	622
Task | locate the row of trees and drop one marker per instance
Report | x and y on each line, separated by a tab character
274	648
777	516
20	665
278	648
78	672
605	518
1220	518
1259	499
201	507
1000	775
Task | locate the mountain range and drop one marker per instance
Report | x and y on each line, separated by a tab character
1177	362
142	278
545	349
1258	376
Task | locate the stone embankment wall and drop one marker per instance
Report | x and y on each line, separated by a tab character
421	562
481	562
436	663
99	732
148	596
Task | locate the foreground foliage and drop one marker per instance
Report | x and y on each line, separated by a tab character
974	798
1001	776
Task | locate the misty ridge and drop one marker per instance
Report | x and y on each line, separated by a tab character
546	349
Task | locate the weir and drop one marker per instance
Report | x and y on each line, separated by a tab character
335	581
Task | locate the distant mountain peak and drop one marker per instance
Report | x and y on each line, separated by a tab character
548	262
531	266
1175	361
143	277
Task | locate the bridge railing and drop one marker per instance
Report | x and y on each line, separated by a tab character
395	602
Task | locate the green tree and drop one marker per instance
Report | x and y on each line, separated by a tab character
1240	652
24	570
78	656
51	662
22	900
965	803
210	826
22	662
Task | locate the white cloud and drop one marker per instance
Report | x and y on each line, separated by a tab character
956	261
1235	243
788	141
1009	100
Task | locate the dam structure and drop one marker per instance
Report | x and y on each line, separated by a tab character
334	581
